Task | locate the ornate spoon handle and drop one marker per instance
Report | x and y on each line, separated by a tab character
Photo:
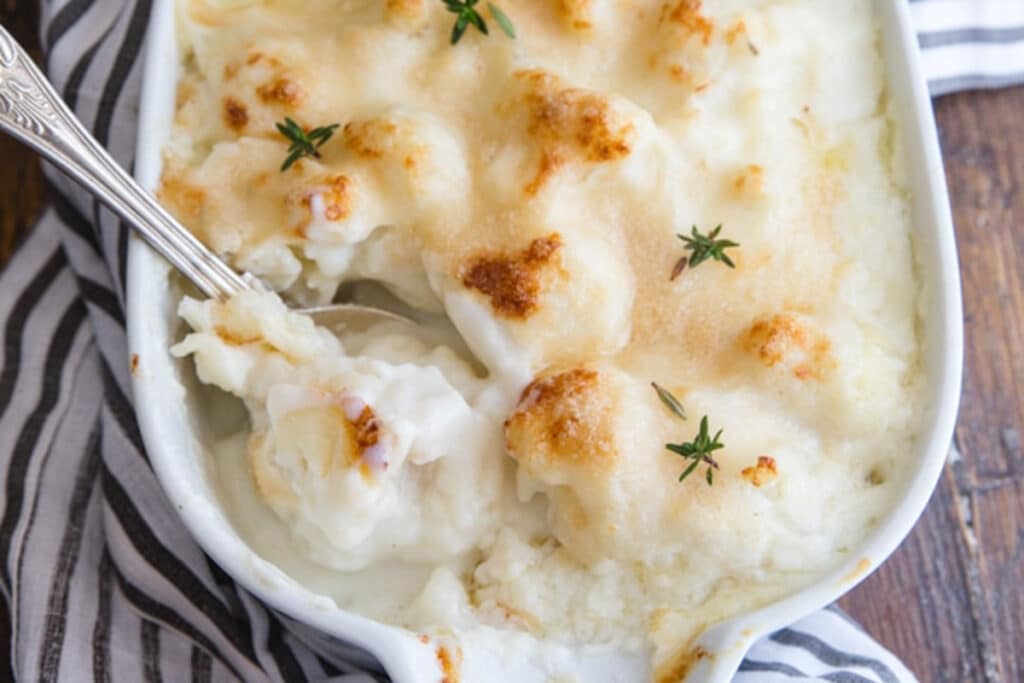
31	111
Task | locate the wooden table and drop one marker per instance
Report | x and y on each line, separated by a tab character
950	602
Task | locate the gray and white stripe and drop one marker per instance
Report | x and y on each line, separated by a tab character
103	581
970	44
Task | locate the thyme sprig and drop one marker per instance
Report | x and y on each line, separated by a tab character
699	451
303	144
670	401
702	248
466	14
703	445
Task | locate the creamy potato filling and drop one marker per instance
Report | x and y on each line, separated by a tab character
533	191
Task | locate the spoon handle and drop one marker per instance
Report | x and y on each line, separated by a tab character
32	112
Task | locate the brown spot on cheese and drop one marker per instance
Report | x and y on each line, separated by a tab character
735	31
681	664
687	14
450	663
763	473
784	338
367	429
570	124
133	365
561	419
678	73
236	115
362	433
183	198
404	10
576	14
280	91
257	57
512	281
231	70
749	181
370	138
336	195
556	388
337	198
550	162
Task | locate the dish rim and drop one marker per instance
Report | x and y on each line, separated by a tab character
406	659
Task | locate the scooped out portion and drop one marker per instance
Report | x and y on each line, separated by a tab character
363	457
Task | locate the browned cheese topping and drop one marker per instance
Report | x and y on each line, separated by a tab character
366	429
560	420
762	474
570	124
783	338
235	114
512	282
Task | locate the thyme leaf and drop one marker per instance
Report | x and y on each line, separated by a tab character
303	144
466	15
699	451
704	247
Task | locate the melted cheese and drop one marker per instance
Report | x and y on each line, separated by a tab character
533	190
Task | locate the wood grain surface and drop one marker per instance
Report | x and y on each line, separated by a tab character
21	182
950	602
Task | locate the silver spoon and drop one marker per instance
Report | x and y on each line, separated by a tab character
32	112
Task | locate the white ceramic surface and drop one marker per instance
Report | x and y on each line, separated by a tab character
175	432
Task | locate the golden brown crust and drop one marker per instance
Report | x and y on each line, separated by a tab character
512	281
367	429
763	473
750	181
337	197
735	31
370	138
236	115
281	90
570	124
686	13
185	199
550	162
784	338
561	419
576	13
405	10
257	57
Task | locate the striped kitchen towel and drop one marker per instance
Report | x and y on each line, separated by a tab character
103	581
969	44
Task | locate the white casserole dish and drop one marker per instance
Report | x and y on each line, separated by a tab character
177	432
